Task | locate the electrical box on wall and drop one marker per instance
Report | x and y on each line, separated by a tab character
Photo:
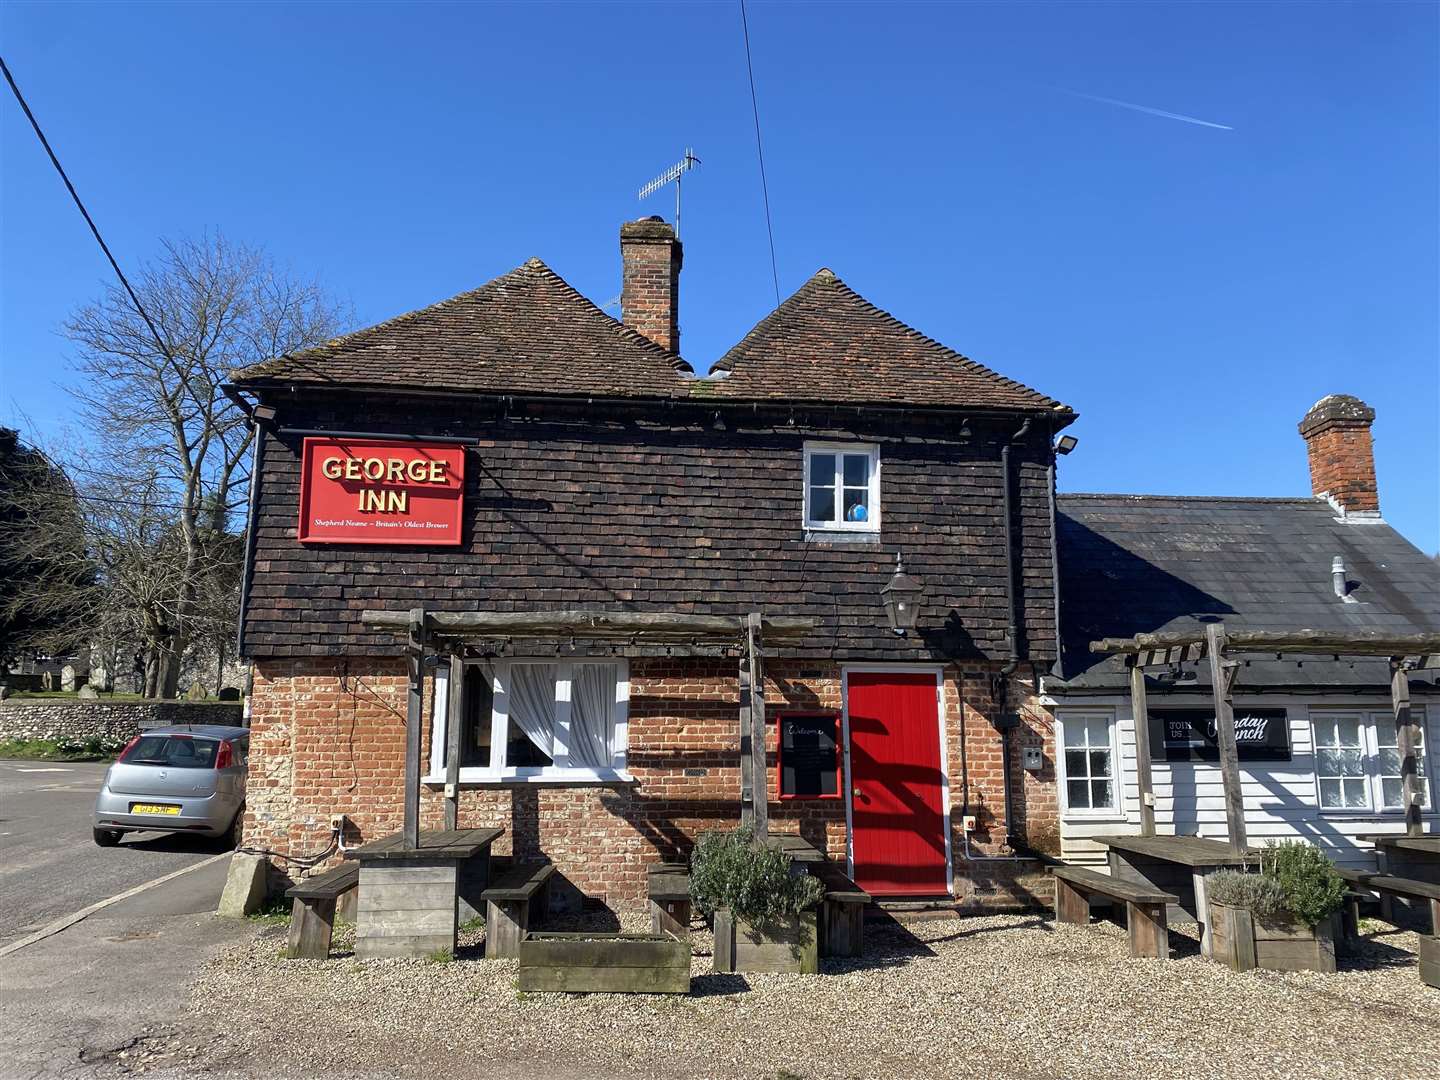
1033	758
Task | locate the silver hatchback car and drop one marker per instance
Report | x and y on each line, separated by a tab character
188	779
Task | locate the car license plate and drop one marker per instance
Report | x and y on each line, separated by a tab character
153	808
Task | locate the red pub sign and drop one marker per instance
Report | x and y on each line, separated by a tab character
379	491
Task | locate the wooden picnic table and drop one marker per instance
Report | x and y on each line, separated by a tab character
797	847
1176	864
413	898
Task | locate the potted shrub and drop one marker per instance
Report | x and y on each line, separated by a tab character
1283	918
761	903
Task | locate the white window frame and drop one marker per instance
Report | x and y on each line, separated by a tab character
1371	721
561	772
1062	776
872	523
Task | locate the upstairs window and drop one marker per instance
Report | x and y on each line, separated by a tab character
842	487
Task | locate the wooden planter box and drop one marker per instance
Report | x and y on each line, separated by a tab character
1284	943
1430	959
791	947
605	963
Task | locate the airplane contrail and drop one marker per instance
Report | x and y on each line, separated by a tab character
1146	109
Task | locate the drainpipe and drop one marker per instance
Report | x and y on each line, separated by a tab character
1013	601
257	462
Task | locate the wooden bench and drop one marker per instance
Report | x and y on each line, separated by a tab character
507	906
841	928
1390	885
312	918
1144	906
668	890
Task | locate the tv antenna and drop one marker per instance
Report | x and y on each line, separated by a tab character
675	172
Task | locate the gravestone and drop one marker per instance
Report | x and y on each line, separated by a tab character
195	693
229	693
67	677
47	681
89	693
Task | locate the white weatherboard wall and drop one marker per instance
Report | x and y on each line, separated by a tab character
1281	797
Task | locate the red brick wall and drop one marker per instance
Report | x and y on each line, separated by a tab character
329	738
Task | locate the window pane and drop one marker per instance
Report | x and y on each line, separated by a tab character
479	698
592	714
1390	793
1074	733
1389	762
1349	729
857	470
531	733
822	469
1099	762
857	504
1074	763
1078	793
1330	793
1100	794
1352	763
822	504
1099	727
1327	763
1354	792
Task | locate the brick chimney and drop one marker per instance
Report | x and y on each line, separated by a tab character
650	258
1336	431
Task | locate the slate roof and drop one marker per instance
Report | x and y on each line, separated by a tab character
828	343
526	332
1145	563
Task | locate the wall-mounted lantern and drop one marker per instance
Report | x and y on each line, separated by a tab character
902	595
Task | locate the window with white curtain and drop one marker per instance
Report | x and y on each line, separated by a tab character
1089	776
1357	760
536	721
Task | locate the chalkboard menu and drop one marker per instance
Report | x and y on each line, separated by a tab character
1189	735
809	756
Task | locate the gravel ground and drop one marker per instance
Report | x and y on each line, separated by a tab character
1001	996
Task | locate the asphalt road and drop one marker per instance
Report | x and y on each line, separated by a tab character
49	864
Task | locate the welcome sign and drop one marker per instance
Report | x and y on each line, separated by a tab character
378	491
1191	734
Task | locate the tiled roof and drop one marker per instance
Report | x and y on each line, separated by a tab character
527	332
1148	563
828	343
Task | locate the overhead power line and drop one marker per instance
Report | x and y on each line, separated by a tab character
134	299
759	151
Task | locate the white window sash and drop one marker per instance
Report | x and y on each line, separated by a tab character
561	772
1067	721
869	450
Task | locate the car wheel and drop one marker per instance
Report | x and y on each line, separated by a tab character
107	837
236	832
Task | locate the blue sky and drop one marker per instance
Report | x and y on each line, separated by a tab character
1191	290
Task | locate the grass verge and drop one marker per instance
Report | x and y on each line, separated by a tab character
49	750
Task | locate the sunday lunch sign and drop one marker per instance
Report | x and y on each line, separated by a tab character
379	491
1190	735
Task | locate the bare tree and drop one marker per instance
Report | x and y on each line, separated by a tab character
167	462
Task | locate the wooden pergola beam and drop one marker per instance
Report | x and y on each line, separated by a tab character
1425	646
660	626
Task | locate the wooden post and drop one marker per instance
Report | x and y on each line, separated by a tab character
759	773
454	733
415	663
1140	711
1225	736
1407	736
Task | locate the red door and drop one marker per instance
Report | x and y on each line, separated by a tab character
897	793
